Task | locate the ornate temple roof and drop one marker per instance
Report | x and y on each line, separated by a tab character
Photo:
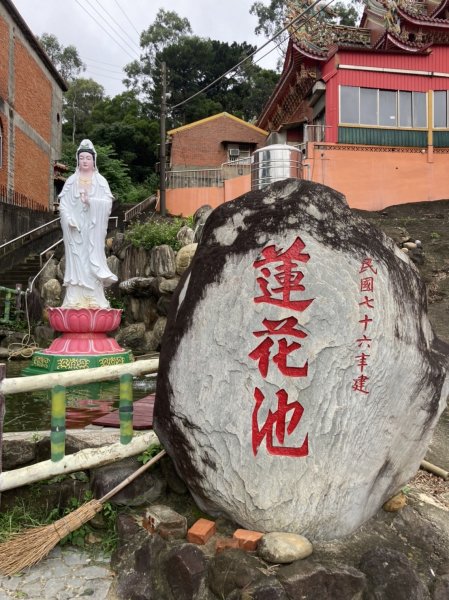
389	25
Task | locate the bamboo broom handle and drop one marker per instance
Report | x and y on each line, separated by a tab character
427	466
131	477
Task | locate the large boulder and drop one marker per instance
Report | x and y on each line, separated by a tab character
299	380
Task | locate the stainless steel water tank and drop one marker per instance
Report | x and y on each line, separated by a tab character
274	163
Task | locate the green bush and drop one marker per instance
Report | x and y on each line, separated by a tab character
156	233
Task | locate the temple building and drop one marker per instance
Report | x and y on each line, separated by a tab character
368	105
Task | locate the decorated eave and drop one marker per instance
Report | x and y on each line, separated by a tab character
287	77
407	25
441	9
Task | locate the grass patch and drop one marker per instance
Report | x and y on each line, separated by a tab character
22	516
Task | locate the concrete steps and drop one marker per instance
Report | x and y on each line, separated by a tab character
21	272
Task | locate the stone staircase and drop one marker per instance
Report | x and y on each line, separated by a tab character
20	273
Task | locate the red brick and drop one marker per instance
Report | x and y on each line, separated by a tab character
248	540
203	145
201	531
224	543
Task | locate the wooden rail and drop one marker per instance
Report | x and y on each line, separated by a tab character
58	382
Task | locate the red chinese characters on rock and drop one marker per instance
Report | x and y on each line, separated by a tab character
368	273
279	280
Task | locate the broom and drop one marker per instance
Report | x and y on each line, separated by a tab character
28	548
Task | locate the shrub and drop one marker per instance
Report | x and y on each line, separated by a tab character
155	233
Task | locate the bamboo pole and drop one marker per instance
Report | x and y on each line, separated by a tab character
84	459
126	408
57	434
16	385
431	468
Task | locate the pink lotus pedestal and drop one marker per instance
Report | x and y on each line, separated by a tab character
84	342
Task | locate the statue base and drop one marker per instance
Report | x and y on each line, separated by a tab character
83	343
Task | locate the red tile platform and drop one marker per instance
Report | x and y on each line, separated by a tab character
142	415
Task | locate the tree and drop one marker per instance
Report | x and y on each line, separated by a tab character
274	16
193	63
66	59
79	102
167	28
123	123
109	165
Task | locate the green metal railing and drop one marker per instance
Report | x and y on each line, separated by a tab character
12	304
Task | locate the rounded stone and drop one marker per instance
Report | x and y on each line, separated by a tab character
184	258
395	503
280	548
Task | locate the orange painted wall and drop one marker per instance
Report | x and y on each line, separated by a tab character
185	201
31	169
376	179
370	180
237	186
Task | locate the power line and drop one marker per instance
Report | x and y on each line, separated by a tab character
117	33
235	67
120	27
100	61
127	18
105	30
100	68
105	76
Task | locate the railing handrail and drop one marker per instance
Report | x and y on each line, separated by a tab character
42	254
138	208
194	170
25	235
183	178
34	383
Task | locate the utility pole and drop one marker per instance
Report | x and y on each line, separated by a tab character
162	155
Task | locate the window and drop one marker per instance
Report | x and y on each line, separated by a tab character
1	145
368	106
349	104
382	108
238	152
440	112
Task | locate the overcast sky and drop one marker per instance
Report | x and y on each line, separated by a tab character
108	37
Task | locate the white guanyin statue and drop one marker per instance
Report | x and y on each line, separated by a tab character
85	206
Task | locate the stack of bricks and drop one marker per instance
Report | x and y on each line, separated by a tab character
203	530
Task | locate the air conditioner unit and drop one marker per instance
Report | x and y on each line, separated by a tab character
234	152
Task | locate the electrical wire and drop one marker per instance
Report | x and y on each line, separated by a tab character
100	61
235	67
118	25
105	76
105	30
127	18
114	32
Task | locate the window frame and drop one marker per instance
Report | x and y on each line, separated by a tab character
440	128
397	125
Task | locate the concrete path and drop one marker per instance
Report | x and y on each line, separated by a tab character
66	573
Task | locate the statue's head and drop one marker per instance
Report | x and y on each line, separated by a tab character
88	147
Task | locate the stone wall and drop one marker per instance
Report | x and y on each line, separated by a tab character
147	280
15	221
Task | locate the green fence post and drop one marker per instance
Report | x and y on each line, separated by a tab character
126	408
57	435
7	306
